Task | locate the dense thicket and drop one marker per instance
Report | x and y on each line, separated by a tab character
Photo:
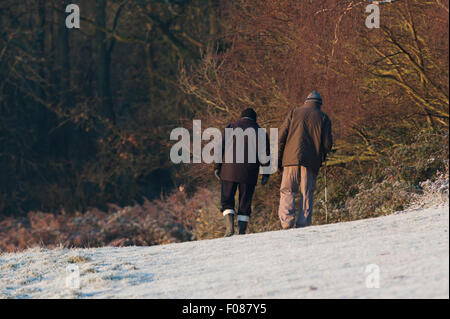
380	86
85	113
386	91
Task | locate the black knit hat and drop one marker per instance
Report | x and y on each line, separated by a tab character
249	113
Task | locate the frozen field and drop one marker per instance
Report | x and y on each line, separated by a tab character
410	248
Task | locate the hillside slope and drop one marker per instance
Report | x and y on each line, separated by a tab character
411	249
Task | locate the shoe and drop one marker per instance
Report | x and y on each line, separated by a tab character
242	227
229	224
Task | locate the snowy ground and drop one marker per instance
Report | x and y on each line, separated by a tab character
410	248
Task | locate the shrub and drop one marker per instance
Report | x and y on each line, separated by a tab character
170	219
412	174
393	183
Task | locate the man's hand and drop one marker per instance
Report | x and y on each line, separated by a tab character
280	171
280	167
217	174
264	179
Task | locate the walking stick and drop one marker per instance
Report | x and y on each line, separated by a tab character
326	193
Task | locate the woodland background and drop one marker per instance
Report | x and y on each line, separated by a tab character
85	114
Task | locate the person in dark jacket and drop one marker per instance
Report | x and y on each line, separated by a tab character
304	141
240	174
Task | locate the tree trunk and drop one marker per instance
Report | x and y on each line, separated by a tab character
41	46
62	55
103	61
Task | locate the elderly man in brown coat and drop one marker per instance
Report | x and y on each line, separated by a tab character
304	141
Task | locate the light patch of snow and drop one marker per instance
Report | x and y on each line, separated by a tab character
434	192
411	249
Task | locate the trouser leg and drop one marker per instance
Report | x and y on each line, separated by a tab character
227	200
245	199
307	185
245	205
288	190
227	194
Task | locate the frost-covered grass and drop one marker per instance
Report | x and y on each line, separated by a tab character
411	248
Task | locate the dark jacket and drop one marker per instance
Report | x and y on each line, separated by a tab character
245	172
305	137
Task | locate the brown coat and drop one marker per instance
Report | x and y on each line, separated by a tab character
245	172
305	137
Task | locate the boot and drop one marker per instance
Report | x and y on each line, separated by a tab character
242	227
229	224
